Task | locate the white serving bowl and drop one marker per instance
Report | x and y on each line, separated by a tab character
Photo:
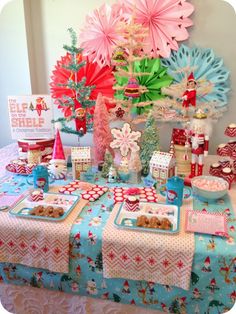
208	194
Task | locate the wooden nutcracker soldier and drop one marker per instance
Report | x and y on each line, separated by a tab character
189	96
200	131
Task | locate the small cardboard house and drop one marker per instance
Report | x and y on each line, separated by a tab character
81	160
162	166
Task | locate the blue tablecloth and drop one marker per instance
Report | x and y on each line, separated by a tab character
213	288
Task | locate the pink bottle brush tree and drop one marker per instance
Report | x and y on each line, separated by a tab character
102	136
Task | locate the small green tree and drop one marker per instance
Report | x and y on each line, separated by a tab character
80	91
149	143
108	161
98	262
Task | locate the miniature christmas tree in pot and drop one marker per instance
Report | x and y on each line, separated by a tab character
149	143
108	161
135	168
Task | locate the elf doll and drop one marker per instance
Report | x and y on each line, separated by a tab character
189	96
200	131
80	120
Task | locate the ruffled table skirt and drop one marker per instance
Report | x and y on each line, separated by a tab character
28	300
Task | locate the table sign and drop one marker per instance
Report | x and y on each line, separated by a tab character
30	116
204	222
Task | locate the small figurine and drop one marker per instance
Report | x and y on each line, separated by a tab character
57	166
112	174
189	96
200	130
123	169
80	120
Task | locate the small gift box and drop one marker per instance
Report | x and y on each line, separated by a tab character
36	196
223	150
215	169
231	130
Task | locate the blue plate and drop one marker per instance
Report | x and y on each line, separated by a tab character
24	206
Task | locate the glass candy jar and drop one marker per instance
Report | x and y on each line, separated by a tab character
34	154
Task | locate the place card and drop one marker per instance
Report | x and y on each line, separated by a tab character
204	222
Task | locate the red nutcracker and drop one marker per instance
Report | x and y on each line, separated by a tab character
189	96
200	130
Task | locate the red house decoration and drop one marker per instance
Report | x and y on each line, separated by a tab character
162	166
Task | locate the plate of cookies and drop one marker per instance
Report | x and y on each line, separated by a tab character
151	217
45	206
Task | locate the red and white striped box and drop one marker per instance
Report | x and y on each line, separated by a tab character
36	196
223	150
231	130
131	204
215	169
20	167
29	168
11	167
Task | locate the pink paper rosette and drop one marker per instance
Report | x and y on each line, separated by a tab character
166	21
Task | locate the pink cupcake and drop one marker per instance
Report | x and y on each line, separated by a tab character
131	203
223	150
231	130
215	169
225	163
228	175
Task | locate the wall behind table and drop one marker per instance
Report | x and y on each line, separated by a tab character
14	66
47	22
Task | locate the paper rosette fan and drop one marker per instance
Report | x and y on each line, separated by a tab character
151	83
210	74
101	78
166	21
99	35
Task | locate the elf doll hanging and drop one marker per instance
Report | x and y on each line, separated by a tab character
200	130
80	120
189	96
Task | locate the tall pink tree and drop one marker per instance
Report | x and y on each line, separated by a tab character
102	136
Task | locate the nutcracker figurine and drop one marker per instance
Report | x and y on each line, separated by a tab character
189	96
200	131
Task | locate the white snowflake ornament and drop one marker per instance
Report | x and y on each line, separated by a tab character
125	139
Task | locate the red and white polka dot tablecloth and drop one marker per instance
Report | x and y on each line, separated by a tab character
145	195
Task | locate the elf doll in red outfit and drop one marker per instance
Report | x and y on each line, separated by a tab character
189	96
200	131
